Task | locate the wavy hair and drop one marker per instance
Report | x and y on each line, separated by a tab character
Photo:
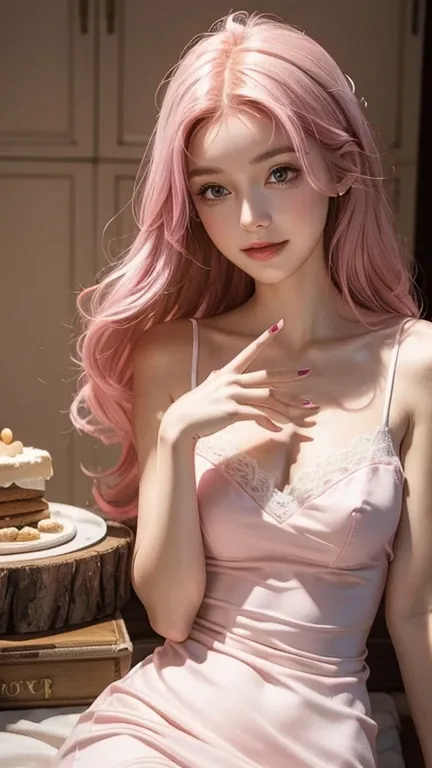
173	270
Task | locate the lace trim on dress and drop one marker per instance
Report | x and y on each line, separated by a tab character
309	483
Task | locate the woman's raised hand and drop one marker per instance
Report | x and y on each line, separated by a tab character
231	394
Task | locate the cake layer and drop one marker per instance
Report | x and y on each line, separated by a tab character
17	521
15	493
11	508
29	469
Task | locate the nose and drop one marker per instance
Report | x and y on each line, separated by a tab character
254	214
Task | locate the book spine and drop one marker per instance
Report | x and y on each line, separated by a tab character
60	683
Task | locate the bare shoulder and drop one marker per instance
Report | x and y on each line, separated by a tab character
416	368
164	353
417	343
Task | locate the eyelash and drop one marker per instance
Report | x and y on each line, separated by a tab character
211	201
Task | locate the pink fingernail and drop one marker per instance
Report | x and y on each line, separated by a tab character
303	371
276	327
309	404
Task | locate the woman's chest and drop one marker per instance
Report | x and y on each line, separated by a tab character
351	498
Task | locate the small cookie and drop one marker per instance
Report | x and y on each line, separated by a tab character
28	534
50	526
8	534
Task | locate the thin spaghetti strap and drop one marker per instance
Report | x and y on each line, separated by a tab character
195	347
392	371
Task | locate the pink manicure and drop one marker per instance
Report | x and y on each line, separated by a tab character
276	327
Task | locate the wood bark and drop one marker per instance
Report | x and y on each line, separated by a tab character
67	590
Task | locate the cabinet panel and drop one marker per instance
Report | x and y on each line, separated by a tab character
115	225
115	231
46	222
374	42
47	51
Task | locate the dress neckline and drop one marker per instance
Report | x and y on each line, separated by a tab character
363	450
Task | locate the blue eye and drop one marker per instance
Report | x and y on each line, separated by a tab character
216	189
283	173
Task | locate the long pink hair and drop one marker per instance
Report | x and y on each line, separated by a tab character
173	270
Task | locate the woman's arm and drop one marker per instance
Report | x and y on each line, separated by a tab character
168	570
409	587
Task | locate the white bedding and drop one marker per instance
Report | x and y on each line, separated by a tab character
29	738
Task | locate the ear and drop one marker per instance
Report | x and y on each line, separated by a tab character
343	187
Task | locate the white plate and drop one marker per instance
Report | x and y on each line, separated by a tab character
46	540
90	528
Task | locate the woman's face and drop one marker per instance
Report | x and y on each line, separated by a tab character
248	187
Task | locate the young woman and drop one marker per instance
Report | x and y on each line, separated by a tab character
259	357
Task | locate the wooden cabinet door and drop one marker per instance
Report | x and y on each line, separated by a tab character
46	221
47	78
378	43
115	225
115	231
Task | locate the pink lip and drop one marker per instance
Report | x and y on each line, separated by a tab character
259	244
264	251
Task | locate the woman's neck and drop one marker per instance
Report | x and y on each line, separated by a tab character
310	305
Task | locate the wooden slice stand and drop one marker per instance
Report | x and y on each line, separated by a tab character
66	590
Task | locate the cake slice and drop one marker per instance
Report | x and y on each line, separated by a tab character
23	475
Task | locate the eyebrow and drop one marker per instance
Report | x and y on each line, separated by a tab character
207	170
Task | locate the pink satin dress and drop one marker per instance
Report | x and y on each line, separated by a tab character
273	674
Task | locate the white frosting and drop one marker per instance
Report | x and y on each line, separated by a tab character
11	449
26	456
32	484
30	466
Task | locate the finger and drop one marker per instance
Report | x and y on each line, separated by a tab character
259	397
303	402
271	378
248	413
278	413
241	361
307	405
263	397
